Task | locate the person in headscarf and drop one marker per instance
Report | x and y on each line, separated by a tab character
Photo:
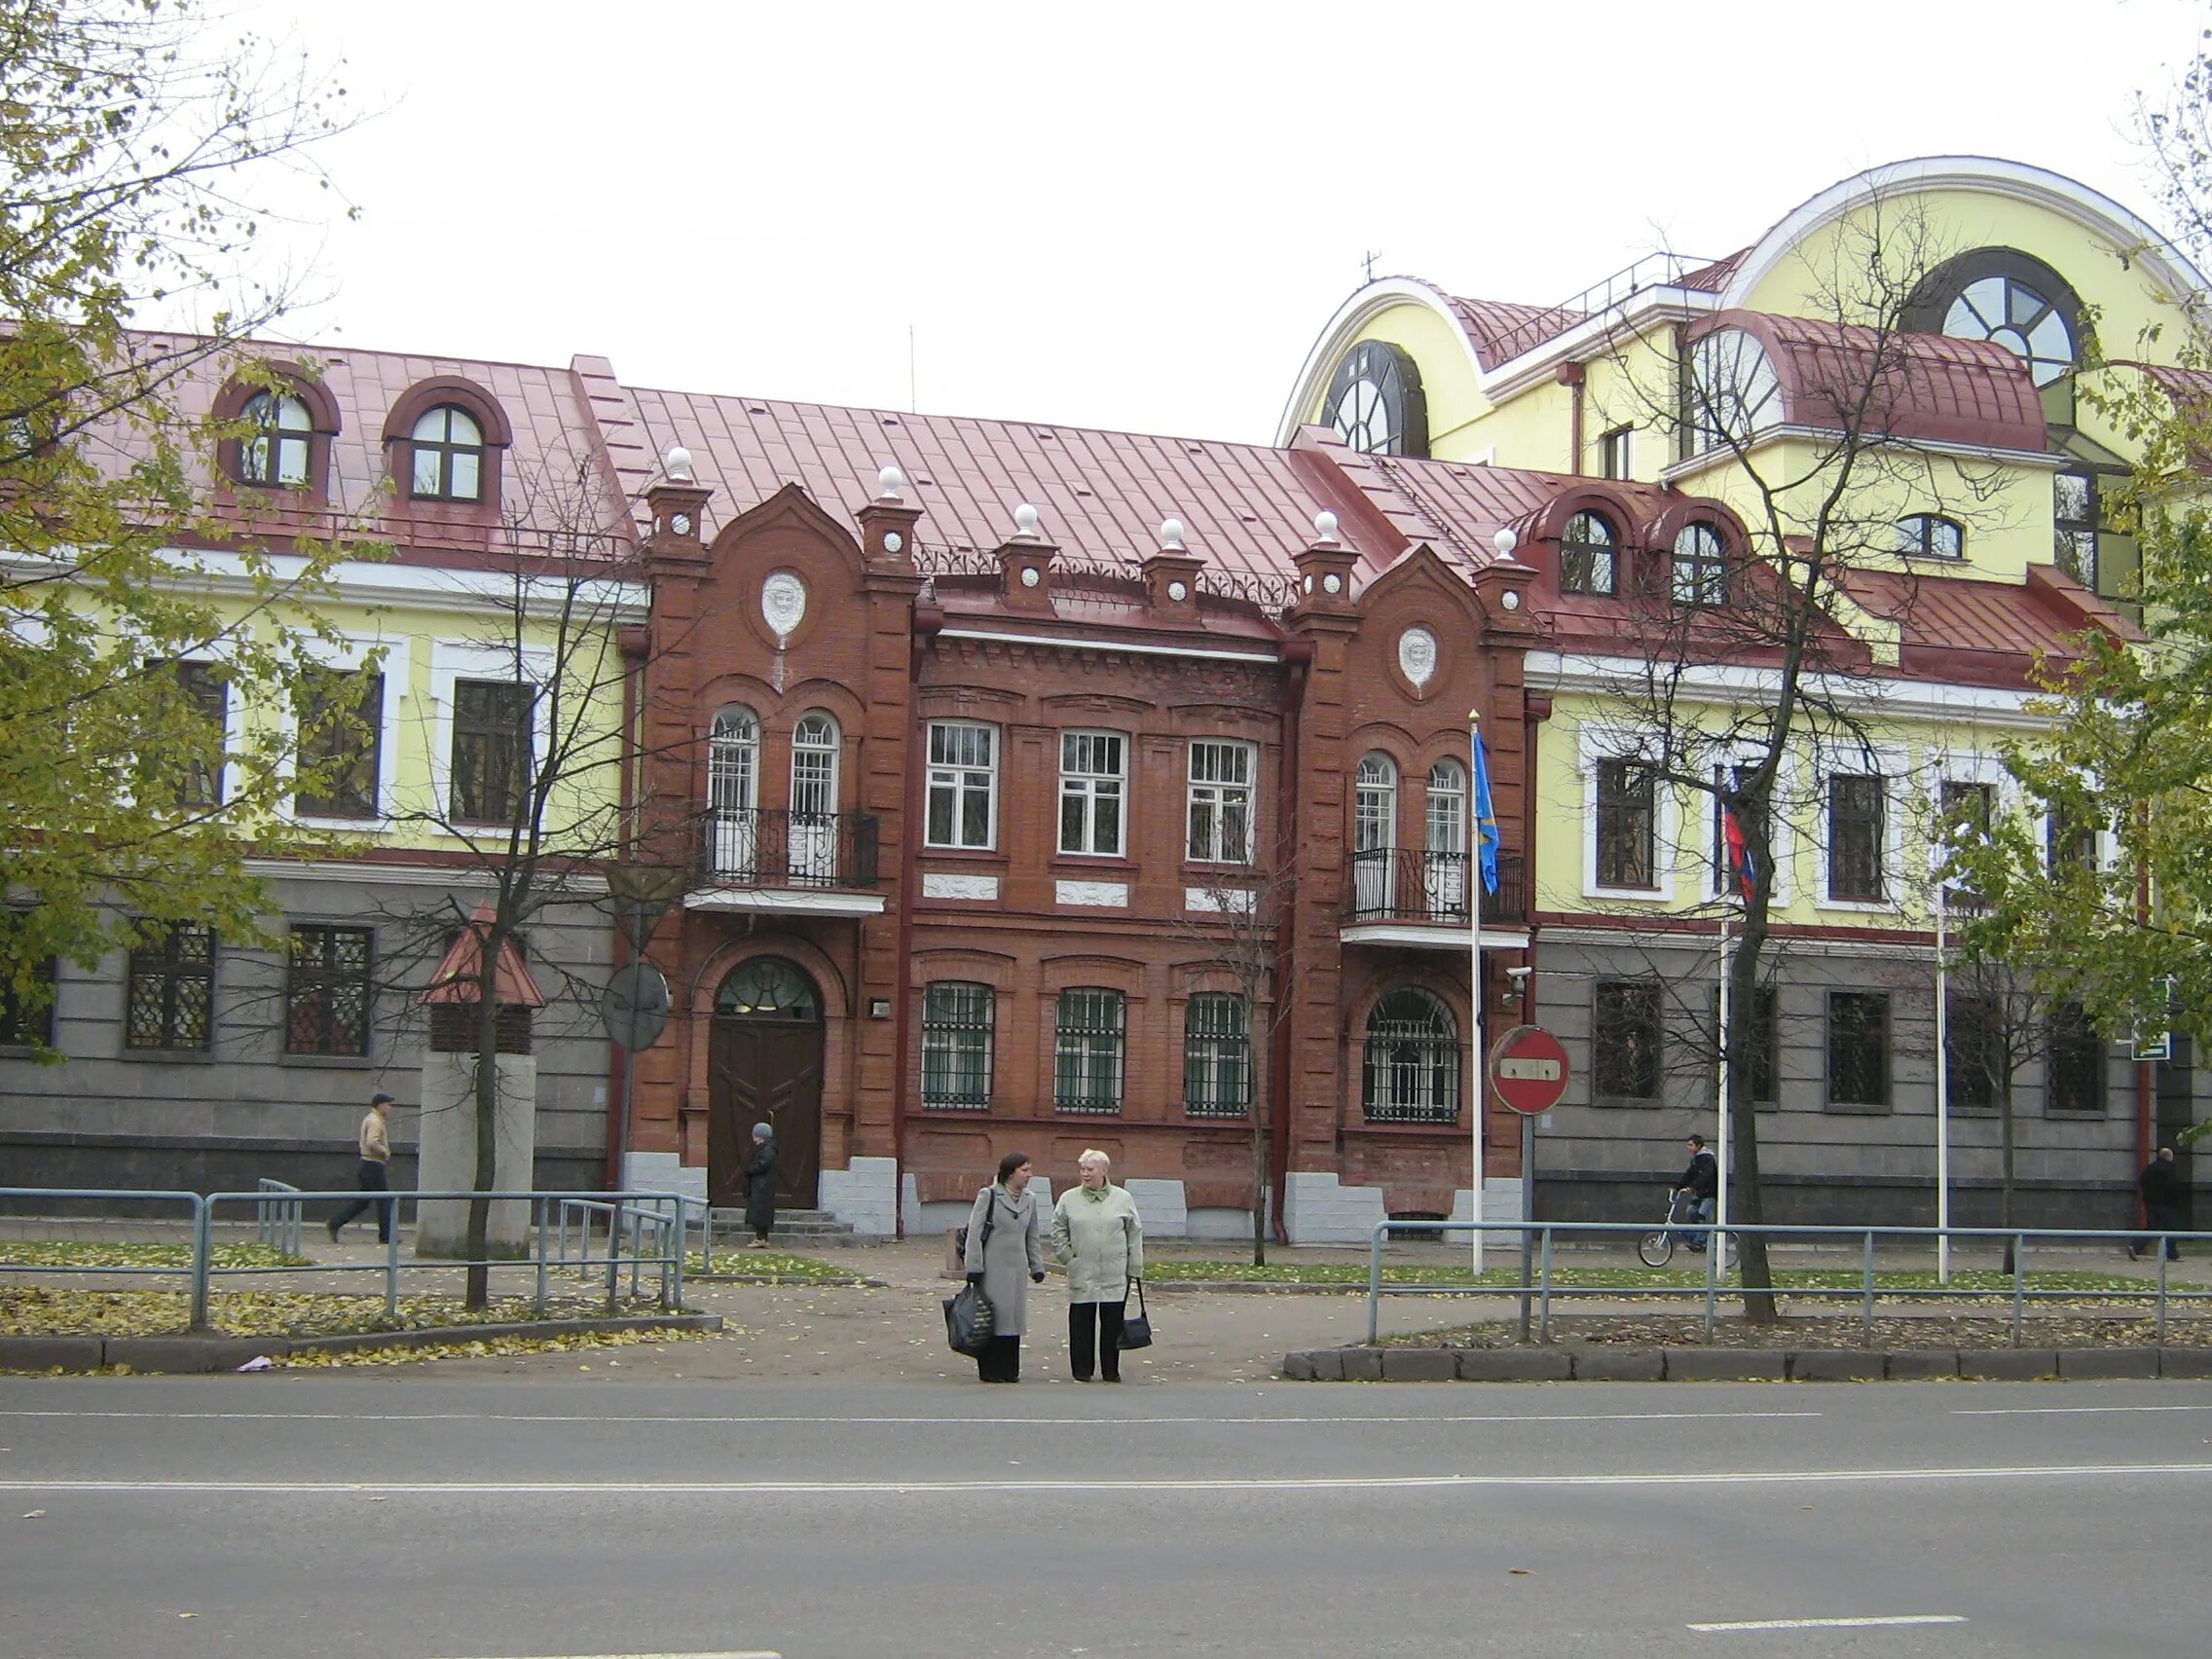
760	1186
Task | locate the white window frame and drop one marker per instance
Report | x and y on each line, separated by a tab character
1596	742
1216	796
1085	786
956	775
455	660
348	656
1891	766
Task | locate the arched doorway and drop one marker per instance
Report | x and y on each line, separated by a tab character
765	1065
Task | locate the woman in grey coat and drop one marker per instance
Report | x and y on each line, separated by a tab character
1096	1231
1007	1265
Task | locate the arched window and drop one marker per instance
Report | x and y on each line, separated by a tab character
1700	573
767	988
1931	536
814	799
2019	318
1445	845
734	793
1410	1073
278	449
1375	403
1733	391
1375	836
447	463
1587	552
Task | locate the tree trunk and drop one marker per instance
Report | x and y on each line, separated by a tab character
1259	1185
1748	1204
2005	1144
477	1291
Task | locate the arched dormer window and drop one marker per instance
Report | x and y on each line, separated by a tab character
1733	390
444	439
281	431
2013	298
1589	556
1375	402
1699	568
447	463
1931	536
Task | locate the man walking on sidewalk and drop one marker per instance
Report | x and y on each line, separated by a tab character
2161	1187
375	1173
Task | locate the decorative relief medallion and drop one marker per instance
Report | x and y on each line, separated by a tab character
1417	656
1511	601
1332	582
1029	577
681	524
1177	592
783	602
893	541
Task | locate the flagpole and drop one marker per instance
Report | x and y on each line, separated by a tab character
1720	1152
1942	1103
1474	884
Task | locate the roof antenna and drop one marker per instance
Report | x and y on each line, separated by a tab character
1369	259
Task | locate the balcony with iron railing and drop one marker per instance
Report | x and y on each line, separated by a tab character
763	859
1413	885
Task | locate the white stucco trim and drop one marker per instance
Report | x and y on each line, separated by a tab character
1730	685
1597	740
1416	937
347	655
785	900
1833	761
2093	212
1001	637
453	660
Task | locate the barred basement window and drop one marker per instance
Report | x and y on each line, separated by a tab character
2076	1062
326	991
1625	1039
22	1025
1973	1052
1409	1069
957	1019
170	999
1859	1047
1217	1057
1757	1036
1086	1051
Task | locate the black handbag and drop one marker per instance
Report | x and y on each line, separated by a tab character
970	1319
1136	1328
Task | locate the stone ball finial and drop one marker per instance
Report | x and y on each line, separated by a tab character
1324	527
676	464
1171	535
888	483
1505	541
1025	522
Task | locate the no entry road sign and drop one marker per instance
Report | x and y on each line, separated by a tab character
1528	1069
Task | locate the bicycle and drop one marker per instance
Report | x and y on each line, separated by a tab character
1656	1248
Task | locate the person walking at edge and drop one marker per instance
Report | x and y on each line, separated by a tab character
1097	1232
2161	1187
374	1173
760	1186
1015	1246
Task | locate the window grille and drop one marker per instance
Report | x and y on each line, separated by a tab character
170	999
1626	1039
1409	1069
956	1047
1217	1057
1086	1051
327	992
1859	1047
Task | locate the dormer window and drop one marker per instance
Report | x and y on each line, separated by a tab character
1700	573
277	447
1733	390
1931	536
1588	555
448	461
2018	317
1375	403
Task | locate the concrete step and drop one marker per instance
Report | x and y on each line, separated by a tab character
814	1227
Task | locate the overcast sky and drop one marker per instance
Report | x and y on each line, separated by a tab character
1129	215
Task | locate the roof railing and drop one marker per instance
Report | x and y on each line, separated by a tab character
1660	270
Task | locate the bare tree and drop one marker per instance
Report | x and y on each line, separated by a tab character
1238	930
1805	615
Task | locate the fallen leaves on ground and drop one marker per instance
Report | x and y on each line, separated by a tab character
773	1265
1800	1331
40	1311
483	1347
86	1253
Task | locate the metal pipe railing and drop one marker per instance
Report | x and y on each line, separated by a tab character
1867	1291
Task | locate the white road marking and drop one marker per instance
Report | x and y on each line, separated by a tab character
2064	1411
718	1653
1870	1623
924	1488
604	1420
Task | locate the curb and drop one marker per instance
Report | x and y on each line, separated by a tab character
855	1281
1556	1364
191	1355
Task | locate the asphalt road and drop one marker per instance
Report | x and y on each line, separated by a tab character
397	1517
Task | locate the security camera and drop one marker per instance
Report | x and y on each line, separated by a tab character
1517	974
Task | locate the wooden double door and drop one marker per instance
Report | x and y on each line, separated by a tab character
764	1067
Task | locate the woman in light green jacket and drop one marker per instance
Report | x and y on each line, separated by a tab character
1096	1233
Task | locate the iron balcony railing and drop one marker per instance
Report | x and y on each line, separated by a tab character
1408	884
756	847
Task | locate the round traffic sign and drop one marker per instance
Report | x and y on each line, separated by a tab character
635	1009
1528	1069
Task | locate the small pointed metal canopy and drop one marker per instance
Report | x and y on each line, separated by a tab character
456	980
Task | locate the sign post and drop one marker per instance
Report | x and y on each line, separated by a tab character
1527	1068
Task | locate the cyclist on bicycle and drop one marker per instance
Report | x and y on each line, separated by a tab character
1700	1187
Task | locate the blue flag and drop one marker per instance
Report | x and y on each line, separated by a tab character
1486	819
